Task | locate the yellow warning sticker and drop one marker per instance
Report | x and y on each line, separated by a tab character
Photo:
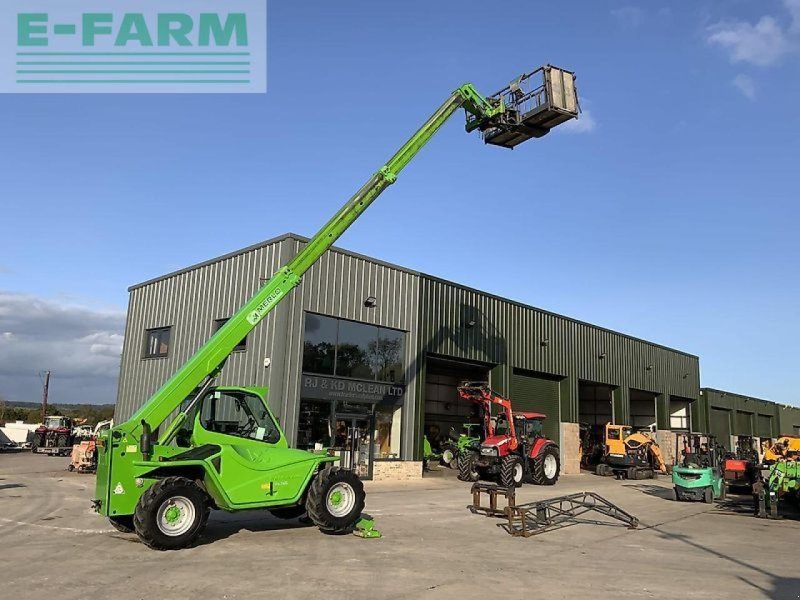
131	449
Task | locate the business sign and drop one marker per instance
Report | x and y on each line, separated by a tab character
133	46
334	388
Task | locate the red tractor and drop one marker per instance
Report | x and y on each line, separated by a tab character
54	436
514	448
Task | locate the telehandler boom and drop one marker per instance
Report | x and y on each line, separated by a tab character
224	449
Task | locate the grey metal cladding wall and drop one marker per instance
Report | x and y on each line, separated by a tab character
511	333
189	302
338	285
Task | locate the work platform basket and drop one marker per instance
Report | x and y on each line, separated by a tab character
534	104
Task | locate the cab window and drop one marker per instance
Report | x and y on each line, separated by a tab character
238	414
613	434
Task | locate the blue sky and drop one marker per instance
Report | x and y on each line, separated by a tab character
668	213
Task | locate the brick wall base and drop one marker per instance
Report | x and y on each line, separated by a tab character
570	448
396	470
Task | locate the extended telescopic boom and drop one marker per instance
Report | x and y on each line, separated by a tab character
513	114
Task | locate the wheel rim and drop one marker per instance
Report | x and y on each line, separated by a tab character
176	516
341	499
517	473
550	466
447	456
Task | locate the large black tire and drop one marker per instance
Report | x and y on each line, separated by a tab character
467	471
123	523
546	466
61	441
38	440
511	471
335	500
289	512
171	514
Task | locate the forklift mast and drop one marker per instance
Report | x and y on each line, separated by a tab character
528	108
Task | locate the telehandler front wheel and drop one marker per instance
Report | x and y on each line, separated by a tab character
335	500
171	514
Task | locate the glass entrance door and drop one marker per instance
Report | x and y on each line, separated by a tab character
353	442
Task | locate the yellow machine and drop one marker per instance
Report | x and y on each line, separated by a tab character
630	455
786	446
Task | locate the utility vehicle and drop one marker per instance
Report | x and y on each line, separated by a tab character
224	449
699	476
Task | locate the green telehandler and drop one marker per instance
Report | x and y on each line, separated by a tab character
160	476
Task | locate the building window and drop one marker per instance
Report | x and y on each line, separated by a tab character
241	346
319	346
350	349
314	425
353	347
156	343
388	420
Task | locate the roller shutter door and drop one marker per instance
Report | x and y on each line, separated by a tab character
537	394
721	426
764	426
744	423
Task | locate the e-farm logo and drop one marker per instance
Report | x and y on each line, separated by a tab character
133	46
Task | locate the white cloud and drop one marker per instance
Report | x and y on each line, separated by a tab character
629	16
746	86
81	347
763	43
585	123
793	6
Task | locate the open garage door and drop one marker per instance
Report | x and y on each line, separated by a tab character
643	409
721	426
444	408
536	392
595	409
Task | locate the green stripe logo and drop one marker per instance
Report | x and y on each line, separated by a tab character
202	46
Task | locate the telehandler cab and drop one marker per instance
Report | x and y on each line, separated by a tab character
224	449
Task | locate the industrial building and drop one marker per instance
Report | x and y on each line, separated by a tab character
369	347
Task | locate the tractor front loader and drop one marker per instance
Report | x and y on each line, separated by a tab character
514	448
160	476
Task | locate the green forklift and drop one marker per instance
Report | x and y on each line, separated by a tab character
194	446
699	476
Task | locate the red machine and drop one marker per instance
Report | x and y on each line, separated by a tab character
54	436
514	449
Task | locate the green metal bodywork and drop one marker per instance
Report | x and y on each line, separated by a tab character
693	481
240	473
782	483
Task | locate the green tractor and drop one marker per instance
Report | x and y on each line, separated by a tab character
470	436
699	476
782	484
160	476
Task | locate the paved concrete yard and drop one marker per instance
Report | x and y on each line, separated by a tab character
432	548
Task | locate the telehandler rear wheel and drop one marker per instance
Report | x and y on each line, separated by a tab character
171	514
335	500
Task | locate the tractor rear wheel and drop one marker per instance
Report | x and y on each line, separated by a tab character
511	471
546	466
123	523
467	471
171	514
335	500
